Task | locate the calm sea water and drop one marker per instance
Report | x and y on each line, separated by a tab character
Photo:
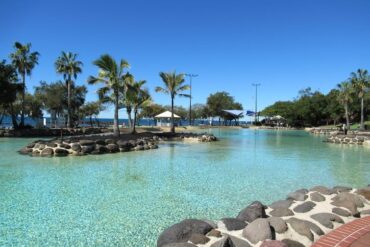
127	199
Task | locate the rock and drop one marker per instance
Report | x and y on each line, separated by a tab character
139	148
278	224
364	212
180	245
154	146
323	190
339	189
273	243
341	212
254	211
101	149
76	147
317	197
60	152
297	196
25	150
197	238
280	212
100	142
47	152
304	207
41	146
112	148
35	153
327	219
181	232
349	201
304	227
51	145
87	149
110	141
292	243
281	204
87	142
214	233
65	146
31	145
365	192
231	241
233	224
210	222
257	231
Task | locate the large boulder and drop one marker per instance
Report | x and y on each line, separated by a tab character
180	245
327	219
76	147
254	211
181	232
258	230
341	212
281	204
292	243
317	197
47	152
365	192
112	148
231	241
87	149
339	189
281	212
197	238
278	224
349	201
323	190
297	196
233	224
87	142
60	152
273	243
304	227
304	207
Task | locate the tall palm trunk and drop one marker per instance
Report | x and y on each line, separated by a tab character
69	102
115	121
14	118
23	95
134	122
172	119
347	116
128	110
362	126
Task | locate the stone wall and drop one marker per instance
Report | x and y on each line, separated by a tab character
298	220
348	139
105	144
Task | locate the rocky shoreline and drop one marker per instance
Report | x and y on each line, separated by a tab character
354	137
102	144
296	221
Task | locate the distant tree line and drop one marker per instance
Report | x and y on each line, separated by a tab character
348	103
64	99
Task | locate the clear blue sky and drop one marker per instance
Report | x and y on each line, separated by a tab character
284	45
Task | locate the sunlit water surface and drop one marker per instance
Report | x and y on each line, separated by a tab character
127	199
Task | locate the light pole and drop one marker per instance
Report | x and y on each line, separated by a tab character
191	77
255	106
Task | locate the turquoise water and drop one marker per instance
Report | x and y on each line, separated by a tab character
127	199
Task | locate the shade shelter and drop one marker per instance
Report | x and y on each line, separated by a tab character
164	119
233	115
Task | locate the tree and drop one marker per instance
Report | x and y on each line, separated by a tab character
129	80
24	61
91	109
173	85
68	65
220	101
8	90
151	110
111	75
345	97
137	97
361	82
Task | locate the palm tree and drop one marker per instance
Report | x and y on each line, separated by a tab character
345	97
174	85
360	81
129	80
112	76
24	61
67	65
137	97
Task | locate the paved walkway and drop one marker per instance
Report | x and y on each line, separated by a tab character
352	234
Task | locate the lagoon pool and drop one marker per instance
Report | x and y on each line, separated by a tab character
127	199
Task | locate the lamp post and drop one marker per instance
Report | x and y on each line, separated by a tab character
255	106
191	77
